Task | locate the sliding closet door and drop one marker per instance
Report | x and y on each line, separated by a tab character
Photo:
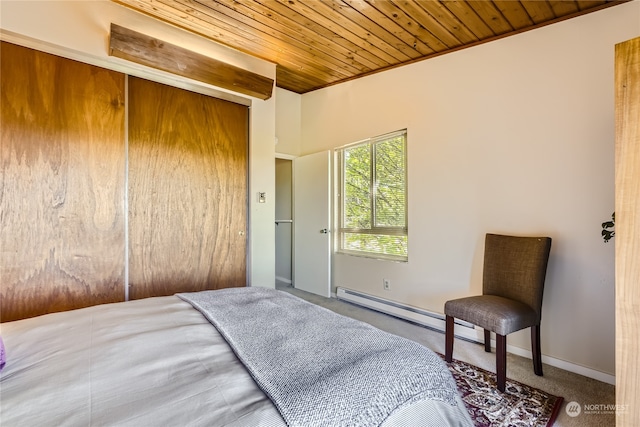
187	191
61	184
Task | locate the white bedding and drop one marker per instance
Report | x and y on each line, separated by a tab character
150	362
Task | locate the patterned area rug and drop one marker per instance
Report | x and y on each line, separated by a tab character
519	405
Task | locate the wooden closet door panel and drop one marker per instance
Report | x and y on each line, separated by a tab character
187	191
62	184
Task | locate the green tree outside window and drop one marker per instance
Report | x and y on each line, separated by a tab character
373	197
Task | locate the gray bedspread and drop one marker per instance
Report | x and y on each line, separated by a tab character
320	368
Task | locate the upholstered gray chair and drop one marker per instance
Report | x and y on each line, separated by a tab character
512	288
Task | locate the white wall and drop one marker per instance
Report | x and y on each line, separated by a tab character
80	30
288	122
513	136
262	173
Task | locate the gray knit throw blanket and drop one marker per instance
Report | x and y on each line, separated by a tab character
320	368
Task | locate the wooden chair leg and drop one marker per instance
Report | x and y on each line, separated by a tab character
448	344
487	341
501	361
535	350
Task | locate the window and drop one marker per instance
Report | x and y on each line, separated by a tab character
372	197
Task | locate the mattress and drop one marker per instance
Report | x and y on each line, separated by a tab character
149	362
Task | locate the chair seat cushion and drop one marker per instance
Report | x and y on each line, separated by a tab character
497	314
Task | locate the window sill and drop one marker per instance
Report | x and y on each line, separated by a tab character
374	256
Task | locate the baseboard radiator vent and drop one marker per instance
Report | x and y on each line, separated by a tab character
429	319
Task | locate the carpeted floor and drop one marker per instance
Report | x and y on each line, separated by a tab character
572	387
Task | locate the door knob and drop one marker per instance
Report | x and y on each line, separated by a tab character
324	231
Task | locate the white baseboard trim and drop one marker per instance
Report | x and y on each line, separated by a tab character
563	364
462	329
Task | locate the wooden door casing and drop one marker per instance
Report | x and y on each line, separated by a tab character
61	184
187	191
627	239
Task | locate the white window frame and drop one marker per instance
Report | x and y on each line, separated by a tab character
389	231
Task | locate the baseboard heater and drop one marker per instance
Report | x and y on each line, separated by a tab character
429	319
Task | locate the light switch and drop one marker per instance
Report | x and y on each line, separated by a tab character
262	197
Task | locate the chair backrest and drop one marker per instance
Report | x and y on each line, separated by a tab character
515	268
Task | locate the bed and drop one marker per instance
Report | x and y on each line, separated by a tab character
271	359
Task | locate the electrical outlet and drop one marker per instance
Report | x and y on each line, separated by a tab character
386	284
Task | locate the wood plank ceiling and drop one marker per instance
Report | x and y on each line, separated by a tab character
317	43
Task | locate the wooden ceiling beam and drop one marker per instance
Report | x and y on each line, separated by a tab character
142	49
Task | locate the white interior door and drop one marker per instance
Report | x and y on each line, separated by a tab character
312	221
